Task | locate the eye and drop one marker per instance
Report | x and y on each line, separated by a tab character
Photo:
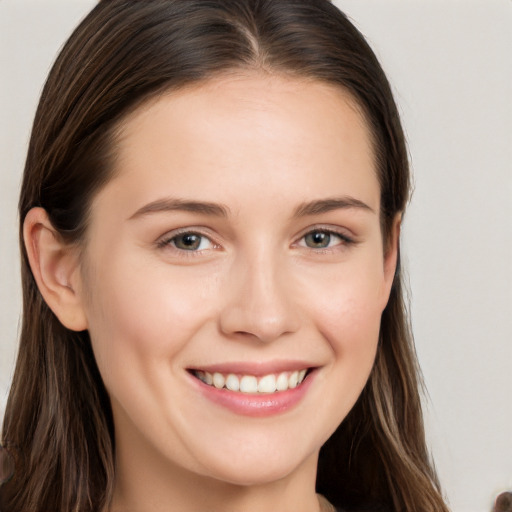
189	241
322	239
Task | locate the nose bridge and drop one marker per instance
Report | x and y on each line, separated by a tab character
259	300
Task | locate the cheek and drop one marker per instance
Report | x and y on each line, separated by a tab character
348	310
140	319
348	317
351	325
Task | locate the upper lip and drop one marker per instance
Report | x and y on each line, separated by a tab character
254	368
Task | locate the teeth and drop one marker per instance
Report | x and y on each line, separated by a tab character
294	380
218	380
282	382
251	384
267	384
232	382
248	384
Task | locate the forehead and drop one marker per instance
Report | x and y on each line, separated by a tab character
277	135
254	97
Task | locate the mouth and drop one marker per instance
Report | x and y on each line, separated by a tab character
252	384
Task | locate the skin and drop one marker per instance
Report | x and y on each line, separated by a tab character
254	291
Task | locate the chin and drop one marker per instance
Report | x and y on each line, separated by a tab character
249	475
260	468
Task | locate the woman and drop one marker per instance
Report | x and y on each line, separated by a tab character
213	318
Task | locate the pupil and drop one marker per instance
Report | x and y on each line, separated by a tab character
319	239
189	241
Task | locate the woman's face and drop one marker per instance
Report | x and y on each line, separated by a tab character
238	245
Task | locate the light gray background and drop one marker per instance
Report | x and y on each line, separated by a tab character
450	64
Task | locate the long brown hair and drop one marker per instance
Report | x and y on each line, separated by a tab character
58	424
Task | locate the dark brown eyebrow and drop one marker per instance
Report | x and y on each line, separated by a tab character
218	210
327	205
173	204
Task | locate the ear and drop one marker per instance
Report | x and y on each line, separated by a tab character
391	255
56	269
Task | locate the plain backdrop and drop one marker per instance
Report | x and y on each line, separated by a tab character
450	65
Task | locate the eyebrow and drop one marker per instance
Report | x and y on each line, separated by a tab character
173	204
330	204
218	210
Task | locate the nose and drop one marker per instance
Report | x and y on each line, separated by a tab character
258	300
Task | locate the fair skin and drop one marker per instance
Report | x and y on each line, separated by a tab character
240	235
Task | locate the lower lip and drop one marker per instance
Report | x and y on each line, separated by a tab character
257	405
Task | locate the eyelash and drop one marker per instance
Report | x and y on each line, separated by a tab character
170	241
344	239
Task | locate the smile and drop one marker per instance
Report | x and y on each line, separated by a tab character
266	384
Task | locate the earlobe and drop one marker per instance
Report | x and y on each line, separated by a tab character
55	266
